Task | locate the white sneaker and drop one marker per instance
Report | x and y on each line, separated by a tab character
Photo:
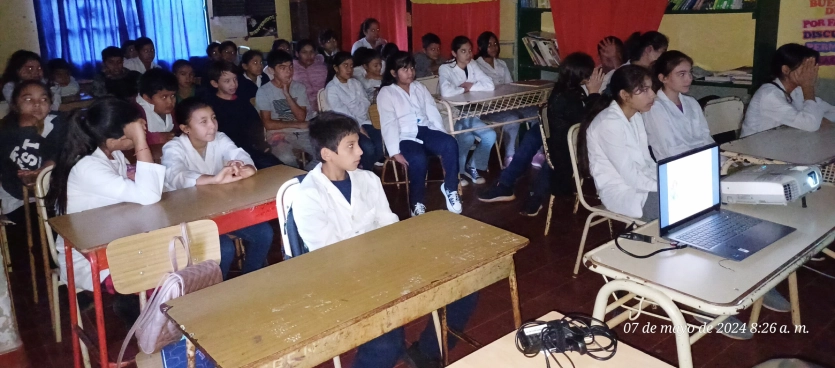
418	209
453	202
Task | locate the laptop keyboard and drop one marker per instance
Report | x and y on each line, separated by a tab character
718	229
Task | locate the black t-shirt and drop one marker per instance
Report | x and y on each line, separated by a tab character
239	120
25	149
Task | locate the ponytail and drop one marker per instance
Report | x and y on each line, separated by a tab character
364	27
637	43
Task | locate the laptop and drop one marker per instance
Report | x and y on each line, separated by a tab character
690	213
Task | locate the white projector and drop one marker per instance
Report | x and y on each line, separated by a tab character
770	184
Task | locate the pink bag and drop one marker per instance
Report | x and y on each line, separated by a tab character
153	329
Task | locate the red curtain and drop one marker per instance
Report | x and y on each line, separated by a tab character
448	21
390	13
581	24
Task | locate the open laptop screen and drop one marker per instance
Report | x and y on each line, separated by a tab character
688	184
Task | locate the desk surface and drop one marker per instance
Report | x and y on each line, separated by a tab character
94	228
789	145
274	312
712	279
503	353
500	91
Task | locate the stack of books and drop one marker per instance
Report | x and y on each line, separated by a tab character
741	75
536	4
684	5
543	48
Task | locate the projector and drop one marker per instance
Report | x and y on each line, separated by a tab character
770	184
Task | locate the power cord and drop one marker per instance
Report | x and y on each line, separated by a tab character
573	332
629	233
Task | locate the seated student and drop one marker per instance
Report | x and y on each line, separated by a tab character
371	64
613	146
310	70
91	171
387	50
280	44
459	76
336	201
328	45
412	130
60	76
185	81
23	66
229	51
156	101
129	49
29	140
428	61
114	79
145	60
251	77
642	50
369	35
213	51
236	117
790	98
577	87
676	123
283	106
610	51
345	95
202	155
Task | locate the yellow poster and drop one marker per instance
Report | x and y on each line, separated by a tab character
810	23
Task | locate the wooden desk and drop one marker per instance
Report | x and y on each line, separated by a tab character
76	102
504	98
302	312
503	353
232	206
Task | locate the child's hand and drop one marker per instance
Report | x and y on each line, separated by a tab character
135	131
466	86
246	171
400	159
595	81
226	175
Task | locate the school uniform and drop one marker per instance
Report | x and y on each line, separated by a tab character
451	77
97	181
671	131
370	86
248	88
71	89
604	87
184	165
350	99
136	65
363	42
623	171
411	124
156	123
771	107
328	56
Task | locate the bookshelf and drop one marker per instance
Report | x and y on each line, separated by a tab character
748	6
528	20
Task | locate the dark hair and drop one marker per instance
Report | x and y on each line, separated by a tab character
574	69
217	68
329	129
300	44
792	56
156	80
184	109
429	39
618	45
483	41
227	44
251	54
57	64
364	55
338	59
125	45
388	50
213	45
626	78
637	43
111	52
365	25
665	64
325	36
395	62
142	42
456	44
16	62
277	43
179	64
276	57
12	119
87	130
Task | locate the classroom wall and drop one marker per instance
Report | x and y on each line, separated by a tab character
716	42
283	19
19	29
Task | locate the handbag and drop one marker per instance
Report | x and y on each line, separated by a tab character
153	329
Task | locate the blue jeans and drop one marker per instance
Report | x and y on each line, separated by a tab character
531	143
481	155
257	242
434	143
512	130
386	350
372	147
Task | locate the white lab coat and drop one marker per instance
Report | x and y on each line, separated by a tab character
769	108
363	42
401	113
155	122
451	77
499	74
96	181
619	161
671	131
349	99
136	64
324	217
184	165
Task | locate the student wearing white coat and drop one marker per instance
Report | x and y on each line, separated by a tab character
790	98
203	156
459	76
642	49
101	177
675	124
369	36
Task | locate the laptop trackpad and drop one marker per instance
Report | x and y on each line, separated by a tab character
755	239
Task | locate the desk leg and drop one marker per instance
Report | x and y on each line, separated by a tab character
94	268
74	316
514	295
794	298
755	313
444	339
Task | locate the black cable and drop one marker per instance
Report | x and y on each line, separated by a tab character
675	246
573	332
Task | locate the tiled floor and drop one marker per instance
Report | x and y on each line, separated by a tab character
544	271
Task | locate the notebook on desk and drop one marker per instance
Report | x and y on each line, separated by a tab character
690	213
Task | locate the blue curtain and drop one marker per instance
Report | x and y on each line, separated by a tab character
178	28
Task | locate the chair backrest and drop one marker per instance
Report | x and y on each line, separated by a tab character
374	116
573	132
431	83
41	190
290	239
724	115
322	98
138	262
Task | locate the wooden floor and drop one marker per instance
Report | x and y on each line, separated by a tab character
545	284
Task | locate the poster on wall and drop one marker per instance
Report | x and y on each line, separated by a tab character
261	26
818	31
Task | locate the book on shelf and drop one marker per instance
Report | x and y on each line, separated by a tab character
685	5
543	48
535	4
741	75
